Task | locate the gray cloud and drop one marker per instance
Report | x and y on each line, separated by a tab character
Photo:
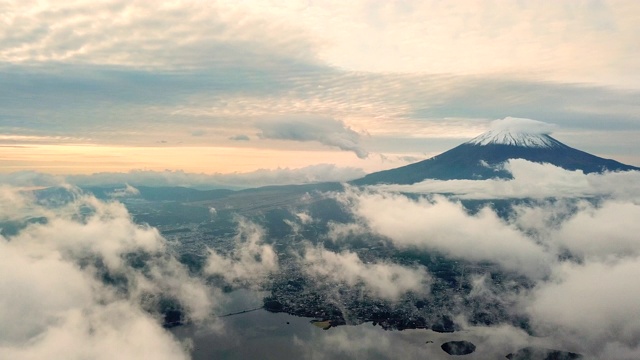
240	138
322	129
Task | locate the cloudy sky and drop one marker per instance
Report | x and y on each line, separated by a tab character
221	87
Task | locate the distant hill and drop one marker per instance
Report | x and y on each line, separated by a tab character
160	193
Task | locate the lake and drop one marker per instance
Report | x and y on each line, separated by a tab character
264	335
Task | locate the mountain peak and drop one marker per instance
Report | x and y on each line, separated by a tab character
518	132
479	158
513	138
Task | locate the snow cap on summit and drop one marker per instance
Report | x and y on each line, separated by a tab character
516	125
517	132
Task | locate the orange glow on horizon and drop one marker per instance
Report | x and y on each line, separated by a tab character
72	159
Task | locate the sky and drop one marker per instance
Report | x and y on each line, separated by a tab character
270	87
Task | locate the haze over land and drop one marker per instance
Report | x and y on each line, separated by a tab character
136	136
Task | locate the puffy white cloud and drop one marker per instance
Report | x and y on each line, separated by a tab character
117	329
250	262
444	226
382	279
304	218
594	305
608	231
590	306
213	212
86	283
15	203
128	190
582	255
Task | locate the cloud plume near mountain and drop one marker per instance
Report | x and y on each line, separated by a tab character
513	124
325	130
532	180
574	237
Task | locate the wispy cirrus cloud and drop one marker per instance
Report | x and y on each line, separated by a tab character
145	35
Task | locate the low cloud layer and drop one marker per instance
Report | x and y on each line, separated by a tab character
250	261
262	177
594	305
89	283
602	232
575	239
444	226
324	130
381	279
533	180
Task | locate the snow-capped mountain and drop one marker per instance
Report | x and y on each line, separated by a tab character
480	157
